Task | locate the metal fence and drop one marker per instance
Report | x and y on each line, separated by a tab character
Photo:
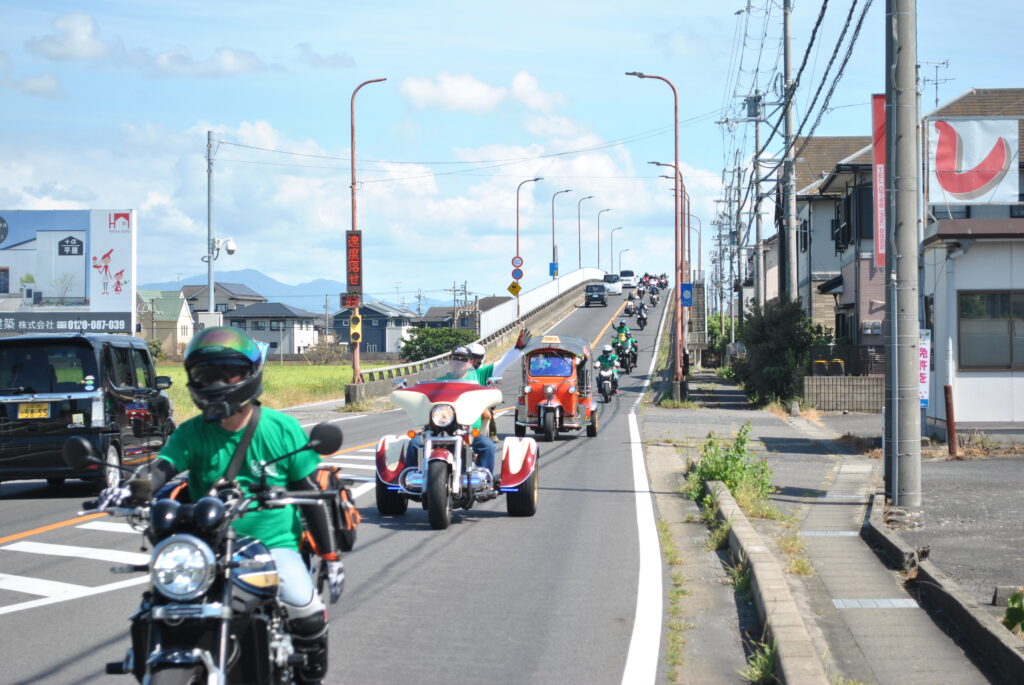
847	360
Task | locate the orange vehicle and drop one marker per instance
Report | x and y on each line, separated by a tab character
558	387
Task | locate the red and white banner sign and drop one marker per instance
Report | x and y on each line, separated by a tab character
878	175
973	161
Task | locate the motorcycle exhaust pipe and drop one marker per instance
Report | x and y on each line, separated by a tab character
477	479
411	481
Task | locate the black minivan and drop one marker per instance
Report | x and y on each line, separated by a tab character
103	387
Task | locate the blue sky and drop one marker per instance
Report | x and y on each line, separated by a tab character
107	104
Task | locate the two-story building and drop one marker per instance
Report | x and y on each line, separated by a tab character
226	297
384	326
466	316
164	315
287	329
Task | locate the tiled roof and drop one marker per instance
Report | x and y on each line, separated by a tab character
269	310
822	154
987	102
232	289
487	303
381	308
167	303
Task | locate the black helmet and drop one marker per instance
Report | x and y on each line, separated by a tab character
225	371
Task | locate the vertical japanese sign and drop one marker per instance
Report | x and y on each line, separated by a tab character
924	363
878	175
354	261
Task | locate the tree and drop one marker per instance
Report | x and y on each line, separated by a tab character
424	343
156	349
62	284
778	341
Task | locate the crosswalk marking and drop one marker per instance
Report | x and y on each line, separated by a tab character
357	467
37	586
350	457
84	592
109	527
109	555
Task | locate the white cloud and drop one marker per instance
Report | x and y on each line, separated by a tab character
76	39
526	89
225	62
553	126
339	60
453	93
44	85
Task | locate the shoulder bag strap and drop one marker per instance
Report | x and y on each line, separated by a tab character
243	445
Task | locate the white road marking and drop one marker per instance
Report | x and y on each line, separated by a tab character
85	592
352	457
111	555
357	467
343	418
366	487
642	659
37	586
108	527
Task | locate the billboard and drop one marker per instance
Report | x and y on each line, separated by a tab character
66	270
973	161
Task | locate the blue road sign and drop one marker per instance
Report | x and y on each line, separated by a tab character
517	274
553	269
686	295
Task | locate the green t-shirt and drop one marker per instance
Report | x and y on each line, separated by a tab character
473	376
204	449
607	361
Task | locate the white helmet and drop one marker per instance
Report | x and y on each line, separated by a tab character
476	353
607	349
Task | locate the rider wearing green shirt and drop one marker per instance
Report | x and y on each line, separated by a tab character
610	360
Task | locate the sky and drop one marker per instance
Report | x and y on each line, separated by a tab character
108	104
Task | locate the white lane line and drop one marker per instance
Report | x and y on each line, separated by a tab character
357	467
350	457
108	527
358	479
642	659
343	418
364	488
85	592
110	555
37	586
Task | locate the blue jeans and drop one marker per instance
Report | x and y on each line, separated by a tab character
296	589
482	445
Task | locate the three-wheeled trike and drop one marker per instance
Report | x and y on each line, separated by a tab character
558	387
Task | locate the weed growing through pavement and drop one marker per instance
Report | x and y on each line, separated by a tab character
739	574
799	566
718	536
790	542
667	402
668	549
676	627
1013	619
760	668
734	465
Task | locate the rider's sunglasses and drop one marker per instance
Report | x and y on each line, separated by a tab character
460	358
222	372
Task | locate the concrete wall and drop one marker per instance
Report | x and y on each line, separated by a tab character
849	393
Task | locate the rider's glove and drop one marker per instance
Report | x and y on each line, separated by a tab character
335	572
524	335
112	497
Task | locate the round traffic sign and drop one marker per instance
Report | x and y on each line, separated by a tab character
517	273
517	261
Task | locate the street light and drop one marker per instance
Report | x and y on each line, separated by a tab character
611	249
620	257
213	249
554	248
579	232
529	180
680	324
356	377
599	238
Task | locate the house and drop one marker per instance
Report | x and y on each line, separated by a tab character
384	326
226	297
287	329
164	315
466	316
973	258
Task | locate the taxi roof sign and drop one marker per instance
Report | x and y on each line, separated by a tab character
551	340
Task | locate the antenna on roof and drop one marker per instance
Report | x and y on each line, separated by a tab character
945	65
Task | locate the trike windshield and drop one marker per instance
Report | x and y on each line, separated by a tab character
550	364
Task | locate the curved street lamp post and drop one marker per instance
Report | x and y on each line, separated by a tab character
620	257
518	188
554	247
611	249
599	238
579	230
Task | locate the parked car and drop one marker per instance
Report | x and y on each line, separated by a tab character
613	284
596	293
628	278
102	387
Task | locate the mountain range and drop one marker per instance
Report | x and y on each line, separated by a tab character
310	296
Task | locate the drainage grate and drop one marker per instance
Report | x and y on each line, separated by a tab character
901	603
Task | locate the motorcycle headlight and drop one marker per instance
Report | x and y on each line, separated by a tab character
549	390
527	389
442	415
183	567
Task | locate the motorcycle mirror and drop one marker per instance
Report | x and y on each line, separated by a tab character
78	453
325	438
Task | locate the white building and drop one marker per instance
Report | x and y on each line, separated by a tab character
288	330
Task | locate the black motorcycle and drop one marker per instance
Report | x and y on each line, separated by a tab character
641	319
212	613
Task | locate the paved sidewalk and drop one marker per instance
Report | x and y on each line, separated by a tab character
867	628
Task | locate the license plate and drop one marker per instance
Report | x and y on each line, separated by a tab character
34	410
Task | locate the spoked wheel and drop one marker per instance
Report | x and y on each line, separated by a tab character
549	426
389	502
523	502
592	426
439	495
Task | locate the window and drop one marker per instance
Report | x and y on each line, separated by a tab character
142	379
344	323
238	323
5	280
374	322
276	325
805	236
273	345
121	366
1016	212
259	325
220	308
991	330
951	211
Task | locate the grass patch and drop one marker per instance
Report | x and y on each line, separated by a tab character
739	576
668	548
667	402
718	536
676	627
799	565
732	463
777	409
283	386
871	447
725	373
790	542
760	668
754	503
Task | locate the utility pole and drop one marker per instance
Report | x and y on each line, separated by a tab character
758	238
904	480
789	192
419	302
210	245
455	303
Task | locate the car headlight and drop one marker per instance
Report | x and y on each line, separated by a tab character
549	390
442	415
183	567
572	389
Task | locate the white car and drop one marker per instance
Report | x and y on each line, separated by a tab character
628	278
613	283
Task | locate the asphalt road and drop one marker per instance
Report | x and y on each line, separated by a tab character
546	599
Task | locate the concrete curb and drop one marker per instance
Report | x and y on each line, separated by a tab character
989	642
797	660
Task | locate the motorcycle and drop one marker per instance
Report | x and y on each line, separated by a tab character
605	381
630	308
211	613
446	476
641	319
626	353
654	299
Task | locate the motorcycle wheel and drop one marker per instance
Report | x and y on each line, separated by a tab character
549	426
520	431
523	502
389	503
592	426
606	392
439	495
192	675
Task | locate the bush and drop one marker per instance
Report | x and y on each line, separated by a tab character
733	464
778	341
424	343
156	350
